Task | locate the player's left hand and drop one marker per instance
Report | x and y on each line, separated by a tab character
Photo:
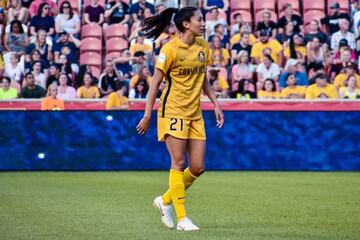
143	125
219	117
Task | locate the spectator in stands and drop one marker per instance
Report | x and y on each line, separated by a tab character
84	69
220	31
94	13
165	37
219	83
296	49
123	63
31	90
269	90
331	21
321	89
36	5
88	90
244	28
65	92
16	40
36	56
242	70
290	17
2	30
285	36
315	52
139	8
292	90
40	45
220	56
43	21
314	31
51	102
142	74
117	12
245	90
344	46
267	24
17	11
65	66
64	46
140	45
343	33
14	70
213	21
40	78
117	99
67	20
242	45
238	20
107	80
350	90
340	79
292	67
167	4
356	21
267	69
222	4
140	61
339	65
54	73
314	68
7	92
140	91
137	26
267	46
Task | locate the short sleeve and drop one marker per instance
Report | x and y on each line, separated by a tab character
208	55
166	59
255	51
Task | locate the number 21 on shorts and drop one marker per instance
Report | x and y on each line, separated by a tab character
176	124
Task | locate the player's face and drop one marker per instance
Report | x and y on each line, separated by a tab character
197	24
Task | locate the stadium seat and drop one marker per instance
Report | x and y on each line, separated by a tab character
261	5
240	5
91	59
93	30
222	15
344	5
313	5
112	55
294	3
116	44
91	45
258	16
96	71
88	2
246	16
116	30
313	14
75	5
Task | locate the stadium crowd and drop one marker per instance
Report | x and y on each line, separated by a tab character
260	49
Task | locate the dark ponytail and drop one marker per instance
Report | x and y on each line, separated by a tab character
292	48
155	25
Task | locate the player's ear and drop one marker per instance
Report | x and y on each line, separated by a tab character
186	24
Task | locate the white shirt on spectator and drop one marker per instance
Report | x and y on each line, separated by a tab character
210	26
40	80
69	25
272	72
336	37
69	94
15	74
355	23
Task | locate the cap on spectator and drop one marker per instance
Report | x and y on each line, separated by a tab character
350	65
264	32
343	42
139	54
335	5
291	62
62	32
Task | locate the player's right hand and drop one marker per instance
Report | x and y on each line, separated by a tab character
143	125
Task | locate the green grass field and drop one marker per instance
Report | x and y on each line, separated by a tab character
226	205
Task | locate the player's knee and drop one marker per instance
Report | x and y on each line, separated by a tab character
197	171
178	164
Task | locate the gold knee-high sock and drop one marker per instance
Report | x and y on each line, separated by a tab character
188	179
177	191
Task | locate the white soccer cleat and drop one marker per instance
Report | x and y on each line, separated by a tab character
165	211
187	225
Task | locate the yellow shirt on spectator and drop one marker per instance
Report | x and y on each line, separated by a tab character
1	62
215	56
10	93
91	92
300	51
114	100
135	79
237	37
49	103
340	78
313	91
223	84
272	47
140	47
348	95
287	92
265	94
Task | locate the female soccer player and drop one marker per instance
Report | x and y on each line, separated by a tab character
183	62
